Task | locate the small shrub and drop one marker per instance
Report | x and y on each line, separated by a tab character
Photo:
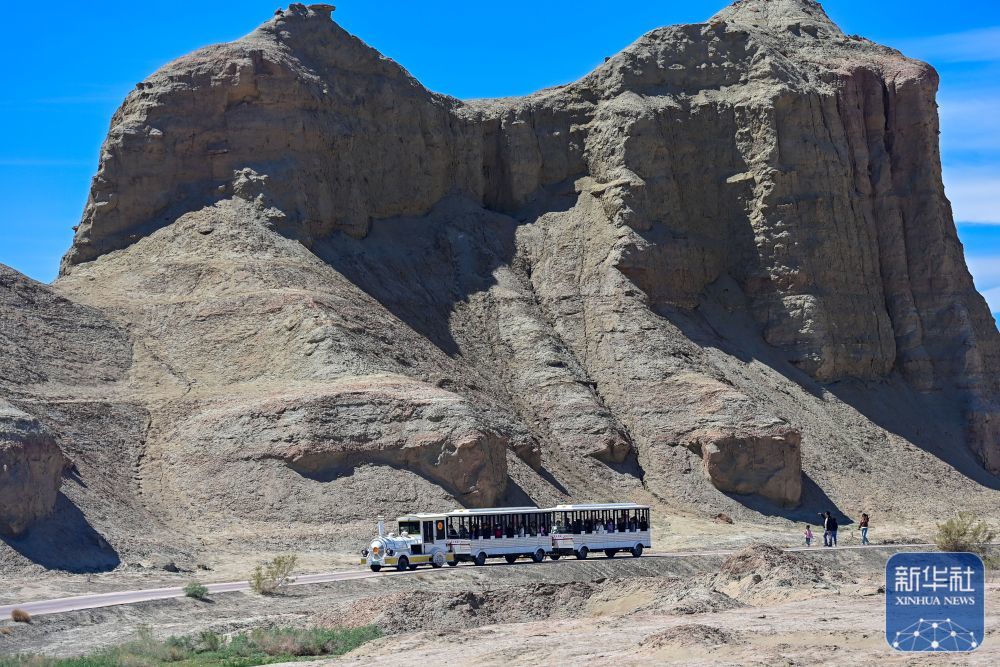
965	532
20	616
269	578
301	642
208	642
196	590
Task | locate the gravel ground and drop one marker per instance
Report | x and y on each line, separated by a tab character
762	607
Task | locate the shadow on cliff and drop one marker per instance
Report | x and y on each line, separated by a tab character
932	422
722	321
425	269
813	503
65	541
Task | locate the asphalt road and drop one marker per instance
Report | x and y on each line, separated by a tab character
61	605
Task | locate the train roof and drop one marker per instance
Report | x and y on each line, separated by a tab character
419	516
483	511
599	506
496	510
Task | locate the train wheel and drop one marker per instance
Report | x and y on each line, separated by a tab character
538	556
554	556
510	558
376	567
403	563
610	553
480	558
582	553
637	550
437	560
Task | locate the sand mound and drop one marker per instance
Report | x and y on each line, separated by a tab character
762	573
437	610
759	559
690	634
431	610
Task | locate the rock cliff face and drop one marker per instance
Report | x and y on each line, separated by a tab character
31	469
60	412
727	251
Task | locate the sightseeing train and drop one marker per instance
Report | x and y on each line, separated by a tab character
474	535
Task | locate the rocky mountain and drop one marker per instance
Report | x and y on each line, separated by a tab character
718	273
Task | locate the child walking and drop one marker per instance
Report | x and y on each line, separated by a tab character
809	536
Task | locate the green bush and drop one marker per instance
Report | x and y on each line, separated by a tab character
196	590
208	642
965	532
269	578
257	647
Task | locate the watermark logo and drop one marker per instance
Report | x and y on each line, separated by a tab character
934	601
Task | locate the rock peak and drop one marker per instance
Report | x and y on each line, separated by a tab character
778	15
316	10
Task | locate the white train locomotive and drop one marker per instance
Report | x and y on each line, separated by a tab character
474	535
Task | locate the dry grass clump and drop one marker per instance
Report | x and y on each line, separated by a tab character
965	532
269	578
20	616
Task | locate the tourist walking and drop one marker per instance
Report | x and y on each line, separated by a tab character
829	530
864	528
809	536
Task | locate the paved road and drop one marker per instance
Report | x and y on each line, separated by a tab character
60	605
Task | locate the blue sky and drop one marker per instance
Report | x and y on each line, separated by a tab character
70	66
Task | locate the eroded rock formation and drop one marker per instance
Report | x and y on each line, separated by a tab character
726	251
31	469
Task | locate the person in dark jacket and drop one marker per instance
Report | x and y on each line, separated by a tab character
829	530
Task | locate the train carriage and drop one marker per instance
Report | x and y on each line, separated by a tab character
508	532
580	530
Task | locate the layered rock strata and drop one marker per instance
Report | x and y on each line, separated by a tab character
727	251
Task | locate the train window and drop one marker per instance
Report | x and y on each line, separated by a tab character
428	532
410	527
439	529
